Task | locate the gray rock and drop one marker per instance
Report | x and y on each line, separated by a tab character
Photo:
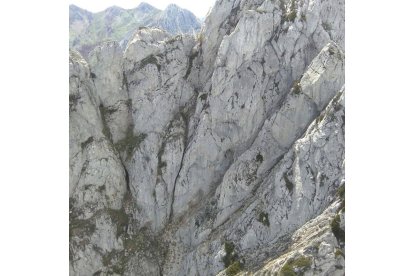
190	154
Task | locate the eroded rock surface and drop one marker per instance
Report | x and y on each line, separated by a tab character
216	153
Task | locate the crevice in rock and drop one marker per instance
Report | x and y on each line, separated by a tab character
185	114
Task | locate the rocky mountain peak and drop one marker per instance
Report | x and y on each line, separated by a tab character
145	7
173	7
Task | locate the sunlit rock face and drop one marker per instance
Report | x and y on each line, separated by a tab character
215	153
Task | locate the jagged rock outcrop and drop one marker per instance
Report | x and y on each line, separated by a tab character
215	153
314	249
88	29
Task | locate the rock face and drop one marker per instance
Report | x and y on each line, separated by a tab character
88	29
220	153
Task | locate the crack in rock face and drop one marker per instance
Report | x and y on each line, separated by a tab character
219	153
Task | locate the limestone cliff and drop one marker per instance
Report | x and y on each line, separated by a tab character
220	153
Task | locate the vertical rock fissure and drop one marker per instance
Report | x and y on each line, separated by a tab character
185	118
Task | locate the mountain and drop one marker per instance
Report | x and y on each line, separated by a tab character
176	20
216	154
88	29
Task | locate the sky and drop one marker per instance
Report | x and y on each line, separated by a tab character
199	8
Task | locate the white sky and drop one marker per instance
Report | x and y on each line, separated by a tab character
198	7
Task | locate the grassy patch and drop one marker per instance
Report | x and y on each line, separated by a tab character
337	230
302	262
141	242
231	260
296	267
287	270
105	112
134	243
130	142
81	227
341	192
234	268
339	252
108	257
120	219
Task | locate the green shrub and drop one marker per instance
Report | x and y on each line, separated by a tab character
303	17
300	264
259	158
290	16
264	218
233	269
342	206
339	252
129	103
326	26
203	97
230	256
337	230
296	88
162	164
341	192
287	270
289	184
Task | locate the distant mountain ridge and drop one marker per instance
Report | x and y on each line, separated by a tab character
87	29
